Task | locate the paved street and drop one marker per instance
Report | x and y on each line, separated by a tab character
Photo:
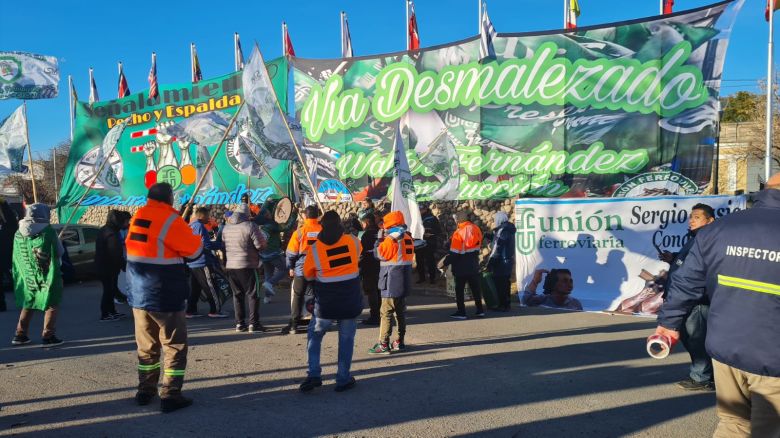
528	373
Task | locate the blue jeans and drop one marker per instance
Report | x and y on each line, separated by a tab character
275	270
693	338
317	329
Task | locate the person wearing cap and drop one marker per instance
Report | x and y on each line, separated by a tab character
464	259
36	274
395	252
158	243
331	264
735	263
243	242
296	252
369	265
426	255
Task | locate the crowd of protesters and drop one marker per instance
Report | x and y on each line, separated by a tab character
171	264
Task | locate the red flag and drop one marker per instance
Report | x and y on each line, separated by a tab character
668	6
414	35
572	12
153	91
775	6
288	46
124	89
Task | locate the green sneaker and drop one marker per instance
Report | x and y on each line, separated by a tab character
379	348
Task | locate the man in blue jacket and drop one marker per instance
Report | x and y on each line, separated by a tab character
735	263
201	268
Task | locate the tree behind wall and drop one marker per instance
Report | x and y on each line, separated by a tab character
44	184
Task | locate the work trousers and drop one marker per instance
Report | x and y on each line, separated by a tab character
110	290
503	284
298	299
370	283
156	333
200	281
425	258
747	404
245	283
49	322
693	337
476	291
392	307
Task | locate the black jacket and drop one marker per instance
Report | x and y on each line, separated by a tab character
368	264
735	261
432	232
8	226
109	249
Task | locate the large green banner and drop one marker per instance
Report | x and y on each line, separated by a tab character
626	109
171	138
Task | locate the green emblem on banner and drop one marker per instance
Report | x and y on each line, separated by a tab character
10	69
170	175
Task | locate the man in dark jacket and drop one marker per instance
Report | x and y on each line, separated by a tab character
243	243
369	265
695	333
734	263
426	255
501	261
201	268
8	226
109	261
332	265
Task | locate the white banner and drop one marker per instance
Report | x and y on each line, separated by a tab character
610	245
28	76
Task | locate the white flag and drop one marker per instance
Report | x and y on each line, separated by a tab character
28	76
346	39
13	141
404	197
487	33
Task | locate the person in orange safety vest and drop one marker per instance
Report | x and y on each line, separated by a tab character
464	257
158	242
299	243
332	266
395	252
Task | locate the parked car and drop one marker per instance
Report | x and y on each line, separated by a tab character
79	242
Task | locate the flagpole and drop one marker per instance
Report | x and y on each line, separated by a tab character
192	62
292	137
661	5
479	16
235	51
70	108
566	14
341	26
406	27
29	152
769	96
54	171
284	39
261	164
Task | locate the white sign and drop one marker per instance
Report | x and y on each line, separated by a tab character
610	245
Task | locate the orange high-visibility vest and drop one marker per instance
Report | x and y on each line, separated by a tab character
303	237
159	236
392	252
332	263
467	238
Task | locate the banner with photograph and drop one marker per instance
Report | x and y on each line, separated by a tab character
171	138
610	245
554	114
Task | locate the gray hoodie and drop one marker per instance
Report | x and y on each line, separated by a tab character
36	219
243	240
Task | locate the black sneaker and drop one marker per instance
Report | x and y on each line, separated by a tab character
51	341
143	398
256	328
347	386
310	383
240	328
300	330
108	318
692	385
286	329
458	315
118	315
20	340
174	403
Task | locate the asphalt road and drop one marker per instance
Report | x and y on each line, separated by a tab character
527	373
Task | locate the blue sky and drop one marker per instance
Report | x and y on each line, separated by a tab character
97	34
